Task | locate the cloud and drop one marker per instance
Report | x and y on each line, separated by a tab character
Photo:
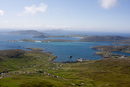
1	13
44	26
33	9
106	4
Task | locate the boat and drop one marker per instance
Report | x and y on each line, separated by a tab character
70	56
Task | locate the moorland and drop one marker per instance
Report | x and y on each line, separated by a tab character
19	68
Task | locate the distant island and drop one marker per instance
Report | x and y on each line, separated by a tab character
26	40
83	38
27	32
56	40
46	40
49	36
119	39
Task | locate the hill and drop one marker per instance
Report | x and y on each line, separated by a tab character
27	32
120	48
35	69
15	58
120	39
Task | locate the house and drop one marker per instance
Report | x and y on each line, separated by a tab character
123	57
79	60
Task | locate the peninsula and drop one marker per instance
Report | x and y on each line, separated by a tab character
105	51
34	49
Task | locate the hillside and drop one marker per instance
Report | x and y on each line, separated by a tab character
18	58
120	48
120	39
35	69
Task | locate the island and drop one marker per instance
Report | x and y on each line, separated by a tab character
27	32
49	36
46	40
34	49
56	40
117	39
26	40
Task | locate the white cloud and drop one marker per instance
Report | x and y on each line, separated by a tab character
44	26
33	9
106	4
1	13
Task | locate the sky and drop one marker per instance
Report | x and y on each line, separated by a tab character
81	15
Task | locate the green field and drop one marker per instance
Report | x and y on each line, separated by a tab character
20	68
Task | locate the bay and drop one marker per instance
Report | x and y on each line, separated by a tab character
60	49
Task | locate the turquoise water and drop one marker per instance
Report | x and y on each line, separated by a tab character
60	49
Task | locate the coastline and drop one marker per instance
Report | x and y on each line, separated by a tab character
54	58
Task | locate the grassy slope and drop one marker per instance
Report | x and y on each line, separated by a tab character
120	48
100	73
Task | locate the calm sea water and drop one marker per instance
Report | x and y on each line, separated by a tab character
60	49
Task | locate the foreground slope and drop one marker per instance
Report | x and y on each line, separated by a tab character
20	68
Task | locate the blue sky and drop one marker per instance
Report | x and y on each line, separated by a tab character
84	15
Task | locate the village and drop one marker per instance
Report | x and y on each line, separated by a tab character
106	54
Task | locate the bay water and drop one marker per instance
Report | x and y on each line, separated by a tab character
60	49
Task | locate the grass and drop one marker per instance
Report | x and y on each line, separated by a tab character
34	49
41	72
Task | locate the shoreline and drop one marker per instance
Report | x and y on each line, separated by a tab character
54	58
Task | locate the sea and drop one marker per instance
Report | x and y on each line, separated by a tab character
60	49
